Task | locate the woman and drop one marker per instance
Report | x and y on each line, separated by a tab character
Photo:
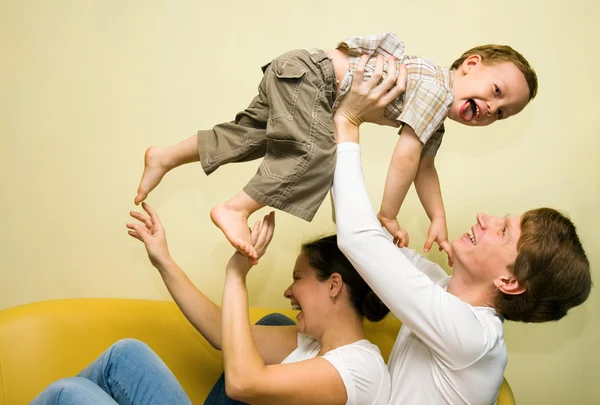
325	359
451	349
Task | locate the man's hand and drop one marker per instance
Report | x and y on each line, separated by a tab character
366	100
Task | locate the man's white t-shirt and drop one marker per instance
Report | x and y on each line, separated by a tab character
447	351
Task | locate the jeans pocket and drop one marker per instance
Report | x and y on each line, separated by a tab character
285	159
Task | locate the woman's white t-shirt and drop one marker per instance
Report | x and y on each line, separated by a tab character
360	365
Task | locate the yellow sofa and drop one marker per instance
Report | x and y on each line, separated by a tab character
45	341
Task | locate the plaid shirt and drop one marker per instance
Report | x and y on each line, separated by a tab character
425	103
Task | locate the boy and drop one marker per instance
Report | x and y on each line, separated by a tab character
289	123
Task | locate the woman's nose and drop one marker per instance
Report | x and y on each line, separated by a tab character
288	292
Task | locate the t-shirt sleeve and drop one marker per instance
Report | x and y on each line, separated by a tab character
364	373
431	269
425	107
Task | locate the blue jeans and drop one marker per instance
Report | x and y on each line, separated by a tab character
130	373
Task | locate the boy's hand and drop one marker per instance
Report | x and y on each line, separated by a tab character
393	227
439	234
152	234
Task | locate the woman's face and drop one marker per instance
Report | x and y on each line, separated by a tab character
309	296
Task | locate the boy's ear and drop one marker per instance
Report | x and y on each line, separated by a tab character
470	62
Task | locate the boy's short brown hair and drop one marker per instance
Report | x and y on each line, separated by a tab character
493	54
552	266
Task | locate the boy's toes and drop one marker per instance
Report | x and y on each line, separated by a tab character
249	251
138	199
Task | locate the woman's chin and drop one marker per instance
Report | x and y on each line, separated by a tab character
300	319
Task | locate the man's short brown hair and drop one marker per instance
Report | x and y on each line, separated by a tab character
493	54
552	266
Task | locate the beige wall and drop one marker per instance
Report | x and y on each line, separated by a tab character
86	86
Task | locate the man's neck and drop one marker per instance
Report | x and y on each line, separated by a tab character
473	292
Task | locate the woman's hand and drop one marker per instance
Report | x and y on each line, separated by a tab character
262	234
152	234
366	101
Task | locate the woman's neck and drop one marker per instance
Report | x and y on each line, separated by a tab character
342	329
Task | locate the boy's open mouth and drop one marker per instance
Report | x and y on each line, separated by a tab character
469	110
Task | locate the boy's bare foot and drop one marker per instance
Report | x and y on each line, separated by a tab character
235	227
155	167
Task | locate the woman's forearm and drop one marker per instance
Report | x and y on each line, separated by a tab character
242	361
200	311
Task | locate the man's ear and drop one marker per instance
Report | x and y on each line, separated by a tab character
509	285
469	63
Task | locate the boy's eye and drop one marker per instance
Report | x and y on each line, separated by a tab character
500	114
496	90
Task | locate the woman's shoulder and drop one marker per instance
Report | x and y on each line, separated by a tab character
363	371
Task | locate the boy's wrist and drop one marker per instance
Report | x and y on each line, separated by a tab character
438	217
383	216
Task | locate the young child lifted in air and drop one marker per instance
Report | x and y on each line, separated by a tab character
289	125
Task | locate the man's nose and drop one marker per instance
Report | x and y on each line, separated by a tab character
482	219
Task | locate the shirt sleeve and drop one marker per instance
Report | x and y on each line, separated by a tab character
386	44
450	327
425	107
364	373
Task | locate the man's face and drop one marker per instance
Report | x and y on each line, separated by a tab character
489	247
484	94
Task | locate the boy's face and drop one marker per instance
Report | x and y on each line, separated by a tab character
484	94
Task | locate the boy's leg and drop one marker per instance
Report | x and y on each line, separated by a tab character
217	395
159	160
237	141
297	170
131	373
73	391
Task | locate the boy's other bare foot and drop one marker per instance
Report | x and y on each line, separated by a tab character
155	167
235	227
